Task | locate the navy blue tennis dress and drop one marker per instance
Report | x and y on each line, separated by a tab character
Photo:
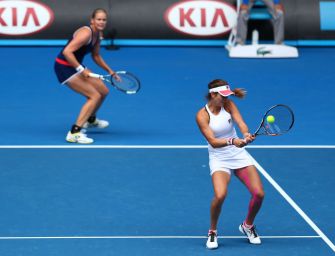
64	71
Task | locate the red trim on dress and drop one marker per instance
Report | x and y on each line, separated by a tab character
63	62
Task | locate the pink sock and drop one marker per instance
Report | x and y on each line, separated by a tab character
247	226
212	231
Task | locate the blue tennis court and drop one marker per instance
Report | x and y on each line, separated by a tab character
37	110
144	187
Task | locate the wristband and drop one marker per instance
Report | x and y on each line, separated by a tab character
80	68
230	141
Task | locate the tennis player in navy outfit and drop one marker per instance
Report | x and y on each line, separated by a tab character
70	71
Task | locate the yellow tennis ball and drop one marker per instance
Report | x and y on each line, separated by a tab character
270	119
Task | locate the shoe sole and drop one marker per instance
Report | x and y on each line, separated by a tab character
74	141
214	248
94	126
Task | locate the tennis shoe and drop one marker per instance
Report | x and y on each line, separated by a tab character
212	240
97	124
251	234
78	137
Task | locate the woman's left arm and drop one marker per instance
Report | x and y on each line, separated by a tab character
99	60
238	119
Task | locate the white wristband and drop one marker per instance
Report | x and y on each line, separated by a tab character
80	68
230	141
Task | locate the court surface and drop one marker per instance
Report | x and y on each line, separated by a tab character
143	188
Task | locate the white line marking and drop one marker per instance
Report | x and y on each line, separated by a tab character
294	205
157	146
146	237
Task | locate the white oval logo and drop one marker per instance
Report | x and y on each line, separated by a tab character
24	17
201	18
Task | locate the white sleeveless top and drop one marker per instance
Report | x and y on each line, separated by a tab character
230	157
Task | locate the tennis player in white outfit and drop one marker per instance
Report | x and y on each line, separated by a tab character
227	155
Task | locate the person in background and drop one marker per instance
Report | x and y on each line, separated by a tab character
70	71
227	155
276	10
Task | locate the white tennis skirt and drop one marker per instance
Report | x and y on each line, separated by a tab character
228	158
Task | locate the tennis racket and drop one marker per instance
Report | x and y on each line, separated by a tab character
278	120
128	82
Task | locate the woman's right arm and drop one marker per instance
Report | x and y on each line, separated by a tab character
202	119
81	37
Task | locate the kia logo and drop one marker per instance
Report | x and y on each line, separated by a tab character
201	17
18	17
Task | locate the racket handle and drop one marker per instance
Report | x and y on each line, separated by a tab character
95	75
245	140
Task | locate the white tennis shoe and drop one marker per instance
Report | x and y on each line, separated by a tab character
251	234
78	137
212	240
97	124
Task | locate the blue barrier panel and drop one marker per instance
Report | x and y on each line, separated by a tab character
327	14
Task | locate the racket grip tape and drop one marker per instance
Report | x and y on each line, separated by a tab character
94	75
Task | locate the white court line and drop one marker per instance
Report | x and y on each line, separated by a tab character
145	237
294	205
156	146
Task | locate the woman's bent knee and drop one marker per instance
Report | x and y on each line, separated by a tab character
220	197
104	92
259	194
96	97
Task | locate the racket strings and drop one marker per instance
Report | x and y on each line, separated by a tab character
126	82
283	120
